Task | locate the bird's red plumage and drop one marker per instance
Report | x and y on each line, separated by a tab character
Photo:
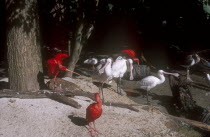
131	53
54	65
94	110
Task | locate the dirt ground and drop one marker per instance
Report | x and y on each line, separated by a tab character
46	117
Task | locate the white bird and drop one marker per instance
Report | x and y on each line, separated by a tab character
103	73
91	61
190	61
119	67
150	82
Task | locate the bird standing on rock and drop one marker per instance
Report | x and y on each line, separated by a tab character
93	112
150	82
54	66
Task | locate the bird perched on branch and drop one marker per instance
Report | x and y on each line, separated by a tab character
150	82
54	66
93	112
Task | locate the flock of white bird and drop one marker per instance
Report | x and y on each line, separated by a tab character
108	69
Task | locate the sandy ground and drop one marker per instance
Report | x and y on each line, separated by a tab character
48	118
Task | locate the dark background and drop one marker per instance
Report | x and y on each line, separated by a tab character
158	28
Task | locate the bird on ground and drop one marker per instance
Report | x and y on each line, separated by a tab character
54	66
190	61
150	82
119	67
93	112
103	73
131	53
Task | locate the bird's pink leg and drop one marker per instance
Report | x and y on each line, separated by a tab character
95	127
91	129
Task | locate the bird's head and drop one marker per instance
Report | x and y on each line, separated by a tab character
61	56
109	60
161	72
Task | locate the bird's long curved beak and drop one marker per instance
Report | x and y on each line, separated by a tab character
73	72
102	69
173	74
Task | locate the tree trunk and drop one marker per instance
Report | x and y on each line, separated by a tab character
24	52
82	34
77	49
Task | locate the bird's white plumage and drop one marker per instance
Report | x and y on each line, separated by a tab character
119	67
103	72
91	61
150	82
101	63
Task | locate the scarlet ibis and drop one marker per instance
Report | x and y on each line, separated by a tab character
93	112
150	82
190	61
54	66
119	67
131	53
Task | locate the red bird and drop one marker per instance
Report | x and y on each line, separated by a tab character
93	112
131	54
54	65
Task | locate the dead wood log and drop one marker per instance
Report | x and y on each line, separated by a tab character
200	125
59	96
63	99
8	93
184	101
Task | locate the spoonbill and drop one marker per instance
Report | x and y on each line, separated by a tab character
150	82
103	73
190	61
91	61
119	67
93	112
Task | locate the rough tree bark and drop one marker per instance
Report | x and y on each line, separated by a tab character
24	52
